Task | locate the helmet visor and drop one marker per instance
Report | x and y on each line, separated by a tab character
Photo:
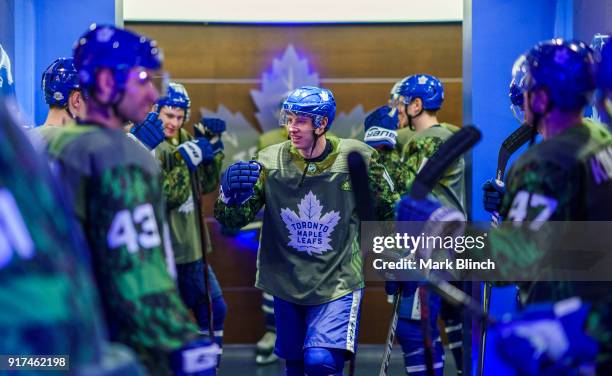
299	119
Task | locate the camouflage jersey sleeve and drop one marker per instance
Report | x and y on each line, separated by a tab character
414	156
175	174
238	216
449	190
383	189
391	159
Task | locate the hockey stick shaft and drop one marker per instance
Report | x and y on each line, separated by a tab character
509	146
390	335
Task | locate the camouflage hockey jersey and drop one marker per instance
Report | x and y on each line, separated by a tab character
116	189
450	189
565	178
392	160
176	183
48	299
405	134
309	247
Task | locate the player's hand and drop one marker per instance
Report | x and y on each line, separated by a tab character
196	152
207	127
150	132
238	182
381	128
493	195
545	339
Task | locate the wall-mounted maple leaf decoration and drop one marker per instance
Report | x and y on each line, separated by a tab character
350	125
309	231
288	73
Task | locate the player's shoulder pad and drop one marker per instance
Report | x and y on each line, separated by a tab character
271	157
91	149
440	132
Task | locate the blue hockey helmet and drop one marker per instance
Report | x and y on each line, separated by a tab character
312	101
7	87
117	49
566	69
424	86
58	81
176	96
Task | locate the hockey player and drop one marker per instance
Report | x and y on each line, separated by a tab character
405	130
60	84
117	194
264	348
205	156
47	294
421	96
309	257
560	179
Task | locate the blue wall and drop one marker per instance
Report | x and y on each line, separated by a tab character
44	31
500	31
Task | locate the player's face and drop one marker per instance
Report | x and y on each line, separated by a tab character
172	118
402	116
139	96
300	129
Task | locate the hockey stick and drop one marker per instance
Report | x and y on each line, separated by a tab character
510	145
424	182
197	207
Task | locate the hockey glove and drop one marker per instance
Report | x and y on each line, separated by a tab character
545	339
380	128
211	129
150	132
208	127
493	195
195	152
238	182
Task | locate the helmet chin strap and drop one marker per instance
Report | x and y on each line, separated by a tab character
67	108
314	144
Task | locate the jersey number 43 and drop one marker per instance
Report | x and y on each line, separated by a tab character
123	231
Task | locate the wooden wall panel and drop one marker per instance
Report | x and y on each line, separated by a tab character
367	59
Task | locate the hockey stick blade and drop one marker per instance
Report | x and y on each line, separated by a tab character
359	183
448	152
511	144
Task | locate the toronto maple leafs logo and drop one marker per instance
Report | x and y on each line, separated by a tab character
309	231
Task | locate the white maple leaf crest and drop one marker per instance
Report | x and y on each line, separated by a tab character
309	231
